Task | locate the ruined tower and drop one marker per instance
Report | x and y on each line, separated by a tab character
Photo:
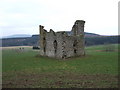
78	28
62	44
78	32
42	40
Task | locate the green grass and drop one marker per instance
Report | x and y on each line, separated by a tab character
93	62
25	62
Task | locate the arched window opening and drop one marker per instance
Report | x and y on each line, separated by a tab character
55	45
44	44
75	46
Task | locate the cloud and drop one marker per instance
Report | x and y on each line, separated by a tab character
24	16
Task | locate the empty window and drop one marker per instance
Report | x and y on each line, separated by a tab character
44	44
55	45
75	46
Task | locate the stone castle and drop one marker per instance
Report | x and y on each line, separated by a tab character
62	44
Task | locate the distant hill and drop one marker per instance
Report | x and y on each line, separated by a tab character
27	35
91	34
87	34
90	39
18	36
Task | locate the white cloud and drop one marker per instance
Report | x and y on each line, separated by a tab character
24	16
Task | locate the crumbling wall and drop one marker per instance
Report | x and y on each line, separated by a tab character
42	40
68	47
78	32
62	45
50	38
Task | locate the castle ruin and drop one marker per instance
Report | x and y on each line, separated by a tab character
62	44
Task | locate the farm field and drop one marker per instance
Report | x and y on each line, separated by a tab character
23	68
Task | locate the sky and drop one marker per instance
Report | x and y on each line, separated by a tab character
25	16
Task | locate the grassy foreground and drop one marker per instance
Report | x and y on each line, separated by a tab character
23	69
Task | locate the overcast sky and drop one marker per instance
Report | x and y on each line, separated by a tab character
25	16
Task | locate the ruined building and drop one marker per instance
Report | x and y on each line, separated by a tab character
61	44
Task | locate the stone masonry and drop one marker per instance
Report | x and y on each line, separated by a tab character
61	44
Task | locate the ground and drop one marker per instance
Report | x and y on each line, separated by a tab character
26	69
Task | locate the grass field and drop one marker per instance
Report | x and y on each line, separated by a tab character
24	69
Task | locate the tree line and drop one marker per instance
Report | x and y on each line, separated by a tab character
33	41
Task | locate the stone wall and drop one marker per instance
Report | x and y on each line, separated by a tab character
62	45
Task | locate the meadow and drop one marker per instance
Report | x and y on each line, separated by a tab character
24	68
